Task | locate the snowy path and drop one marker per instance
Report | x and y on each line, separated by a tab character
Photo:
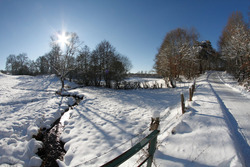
212	132
236	107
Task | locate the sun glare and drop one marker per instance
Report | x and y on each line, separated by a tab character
62	39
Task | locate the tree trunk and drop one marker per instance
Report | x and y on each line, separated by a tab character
172	82
62	81
201	71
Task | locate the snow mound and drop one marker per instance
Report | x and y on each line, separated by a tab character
181	128
32	130
35	161
71	101
32	148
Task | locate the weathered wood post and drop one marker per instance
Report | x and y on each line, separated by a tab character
152	144
154	123
182	104
190	94
193	88
194	84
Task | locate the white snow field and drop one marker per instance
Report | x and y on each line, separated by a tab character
26	104
213	132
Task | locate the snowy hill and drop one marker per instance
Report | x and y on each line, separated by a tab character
108	122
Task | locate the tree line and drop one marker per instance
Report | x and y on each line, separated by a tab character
69	59
182	54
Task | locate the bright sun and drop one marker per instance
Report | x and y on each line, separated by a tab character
62	39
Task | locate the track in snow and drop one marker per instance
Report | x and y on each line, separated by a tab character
236	109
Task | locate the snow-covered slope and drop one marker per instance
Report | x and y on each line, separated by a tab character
108	122
26	104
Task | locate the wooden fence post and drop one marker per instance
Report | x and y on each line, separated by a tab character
151	151
194	84
190	94
152	144
192	90
182	104
154	123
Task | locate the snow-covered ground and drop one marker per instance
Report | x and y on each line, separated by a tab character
26	104
108	118
213	132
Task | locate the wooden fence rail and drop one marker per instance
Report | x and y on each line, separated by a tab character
151	139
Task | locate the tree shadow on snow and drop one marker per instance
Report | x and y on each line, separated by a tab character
111	140
195	112
184	162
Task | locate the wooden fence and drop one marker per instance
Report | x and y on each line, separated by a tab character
151	139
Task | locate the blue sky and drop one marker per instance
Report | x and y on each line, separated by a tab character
135	27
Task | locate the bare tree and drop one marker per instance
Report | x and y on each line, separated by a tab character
11	64
42	65
120	66
107	65
83	65
64	48
18	65
105	52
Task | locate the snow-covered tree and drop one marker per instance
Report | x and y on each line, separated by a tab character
234	45
175	54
